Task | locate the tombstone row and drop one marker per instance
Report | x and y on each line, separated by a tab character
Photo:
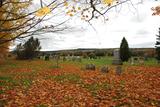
103	69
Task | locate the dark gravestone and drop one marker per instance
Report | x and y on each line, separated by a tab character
46	58
90	67
64	58
146	57
39	57
57	58
116	59
104	69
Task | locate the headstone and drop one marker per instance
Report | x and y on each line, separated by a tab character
90	67
57	58
64	58
141	61
146	57
118	70
132	61
46	58
116	59
104	69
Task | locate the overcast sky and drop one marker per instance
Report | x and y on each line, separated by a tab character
135	23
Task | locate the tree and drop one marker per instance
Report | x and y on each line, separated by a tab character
124	50
29	49
18	19
158	47
22	21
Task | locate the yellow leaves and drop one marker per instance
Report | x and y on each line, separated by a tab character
79	8
108	2
43	11
66	4
71	14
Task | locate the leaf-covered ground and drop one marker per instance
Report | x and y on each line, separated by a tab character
40	84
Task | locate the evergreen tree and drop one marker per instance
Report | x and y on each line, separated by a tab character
124	50
158	47
29	49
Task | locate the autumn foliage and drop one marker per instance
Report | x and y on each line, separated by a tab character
11	23
156	10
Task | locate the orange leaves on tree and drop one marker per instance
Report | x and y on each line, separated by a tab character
156	10
11	23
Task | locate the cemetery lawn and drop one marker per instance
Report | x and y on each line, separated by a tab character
39	83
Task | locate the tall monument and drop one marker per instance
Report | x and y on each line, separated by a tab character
116	58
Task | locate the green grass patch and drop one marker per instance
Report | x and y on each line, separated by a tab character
5	79
94	88
1	91
8	82
41	105
55	66
26	82
72	78
98	62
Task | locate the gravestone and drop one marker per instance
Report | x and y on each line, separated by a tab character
90	67
46	58
57	58
141	60
146	57
132	61
116	59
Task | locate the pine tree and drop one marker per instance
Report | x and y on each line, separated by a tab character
124	50
158	46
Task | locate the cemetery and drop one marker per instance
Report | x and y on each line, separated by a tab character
79	53
89	82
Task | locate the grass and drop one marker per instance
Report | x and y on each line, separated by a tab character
98	62
21	74
149	62
71	78
76	79
26	82
41	105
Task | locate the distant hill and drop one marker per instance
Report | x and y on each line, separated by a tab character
139	51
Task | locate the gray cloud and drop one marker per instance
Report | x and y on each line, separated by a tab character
142	32
143	45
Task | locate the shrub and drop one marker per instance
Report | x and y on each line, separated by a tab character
124	50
